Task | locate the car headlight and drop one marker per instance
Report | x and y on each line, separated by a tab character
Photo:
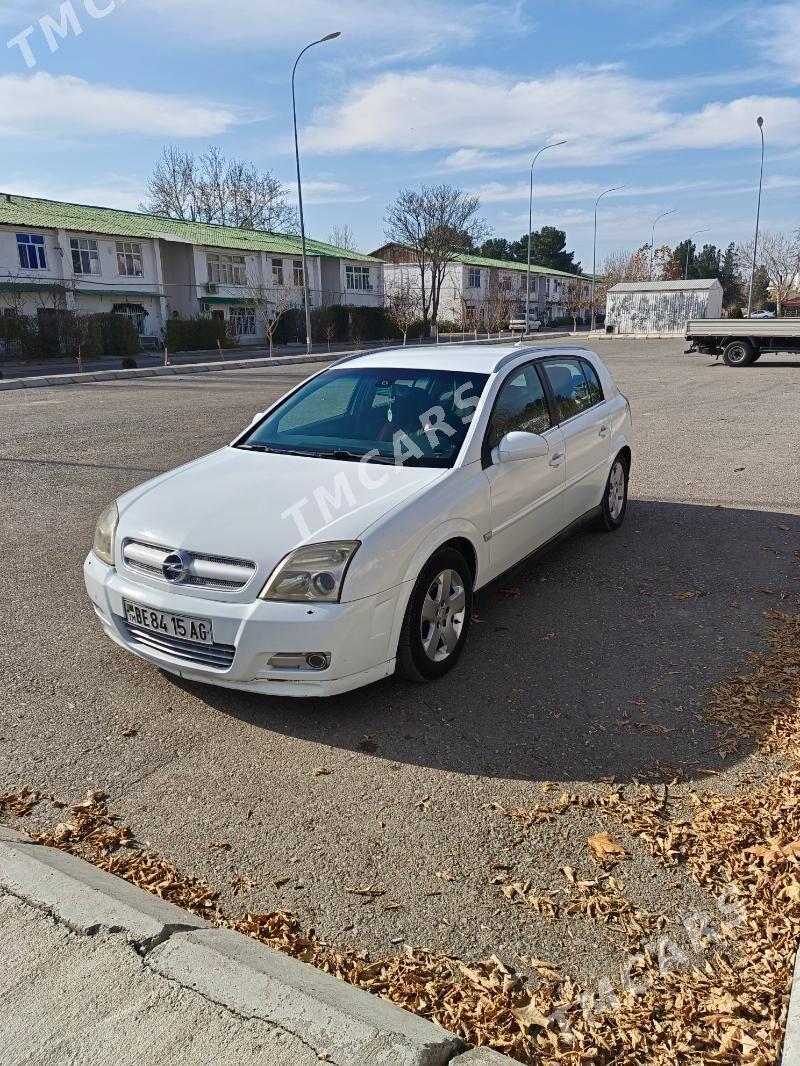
313	573
103	546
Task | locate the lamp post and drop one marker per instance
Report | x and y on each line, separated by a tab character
653	241
760	124
556	144
689	248
306	303
594	245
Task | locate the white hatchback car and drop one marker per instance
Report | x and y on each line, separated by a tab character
340	538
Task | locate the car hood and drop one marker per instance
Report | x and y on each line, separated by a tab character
259	506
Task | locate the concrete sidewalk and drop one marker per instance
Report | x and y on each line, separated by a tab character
95	971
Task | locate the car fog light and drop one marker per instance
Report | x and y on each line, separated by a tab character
300	660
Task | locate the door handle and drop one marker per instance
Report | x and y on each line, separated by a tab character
603	431
555	458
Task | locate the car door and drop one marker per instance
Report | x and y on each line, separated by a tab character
585	422
527	494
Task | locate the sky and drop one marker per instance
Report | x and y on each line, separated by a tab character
659	96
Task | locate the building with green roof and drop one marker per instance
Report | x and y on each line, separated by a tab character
150	268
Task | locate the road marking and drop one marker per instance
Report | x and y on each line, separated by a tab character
32	403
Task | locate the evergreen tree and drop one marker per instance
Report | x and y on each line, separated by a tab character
548	249
495	248
732	295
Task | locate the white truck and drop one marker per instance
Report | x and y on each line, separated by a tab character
740	341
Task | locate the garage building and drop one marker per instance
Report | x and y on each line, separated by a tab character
661	307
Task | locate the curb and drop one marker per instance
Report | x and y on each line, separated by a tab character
348	1025
46	381
790	1055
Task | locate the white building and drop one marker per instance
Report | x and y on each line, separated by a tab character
476	288
662	307
93	259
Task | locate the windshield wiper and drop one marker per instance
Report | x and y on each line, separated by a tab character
255	447
358	457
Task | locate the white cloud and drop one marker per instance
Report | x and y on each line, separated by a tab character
420	28
330	192
124	193
604	115
42	104
777	28
445	107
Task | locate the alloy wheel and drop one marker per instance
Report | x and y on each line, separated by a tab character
443	612
616	490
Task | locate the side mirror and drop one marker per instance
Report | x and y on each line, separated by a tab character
518	445
257	417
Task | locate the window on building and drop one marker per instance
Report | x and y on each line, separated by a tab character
224	269
474	278
85	257
277	272
357	278
30	247
135	312
297	273
243	321
129	259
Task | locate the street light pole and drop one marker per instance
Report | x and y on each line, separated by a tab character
760	123
594	245
653	241
530	227
306	302
688	249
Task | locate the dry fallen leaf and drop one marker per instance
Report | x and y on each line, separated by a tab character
683	595
320	771
444	875
605	847
129	730
223	845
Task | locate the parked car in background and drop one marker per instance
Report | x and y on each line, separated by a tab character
762	314
519	323
340	538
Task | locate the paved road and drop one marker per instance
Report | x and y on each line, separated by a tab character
586	635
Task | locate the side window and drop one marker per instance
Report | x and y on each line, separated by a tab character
569	385
592	380
521	405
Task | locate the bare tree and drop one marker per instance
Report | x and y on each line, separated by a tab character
434	225
213	188
270	303
575	299
402	304
620	266
500	305
344	238
779	255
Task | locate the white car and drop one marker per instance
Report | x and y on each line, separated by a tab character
762	314
341	537
519	323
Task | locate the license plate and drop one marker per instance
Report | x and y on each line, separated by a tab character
185	627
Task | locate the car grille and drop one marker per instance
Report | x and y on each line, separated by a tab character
217	656
205	571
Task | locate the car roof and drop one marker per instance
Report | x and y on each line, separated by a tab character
472	358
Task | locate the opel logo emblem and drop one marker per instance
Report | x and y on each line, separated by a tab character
176	567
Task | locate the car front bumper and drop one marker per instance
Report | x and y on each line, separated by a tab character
359	636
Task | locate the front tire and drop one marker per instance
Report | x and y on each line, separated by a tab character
739	353
437	618
615	498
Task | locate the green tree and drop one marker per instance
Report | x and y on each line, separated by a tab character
548	249
495	248
732	294
707	262
760	288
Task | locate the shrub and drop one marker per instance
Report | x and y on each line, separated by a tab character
197	334
292	327
735	312
129	363
370	324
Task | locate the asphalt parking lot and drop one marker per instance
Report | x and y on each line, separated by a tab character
585	667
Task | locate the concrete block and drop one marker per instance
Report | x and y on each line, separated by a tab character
85	898
11	836
351	1026
481	1056
12	383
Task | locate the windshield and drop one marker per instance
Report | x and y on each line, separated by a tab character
413	417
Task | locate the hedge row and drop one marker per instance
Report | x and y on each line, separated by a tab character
65	333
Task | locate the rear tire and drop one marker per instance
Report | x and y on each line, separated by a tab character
739	353
615	498
437	618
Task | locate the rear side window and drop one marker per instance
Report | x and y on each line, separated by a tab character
592	380
571	386
521	405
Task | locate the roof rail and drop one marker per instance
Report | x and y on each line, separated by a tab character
538	349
